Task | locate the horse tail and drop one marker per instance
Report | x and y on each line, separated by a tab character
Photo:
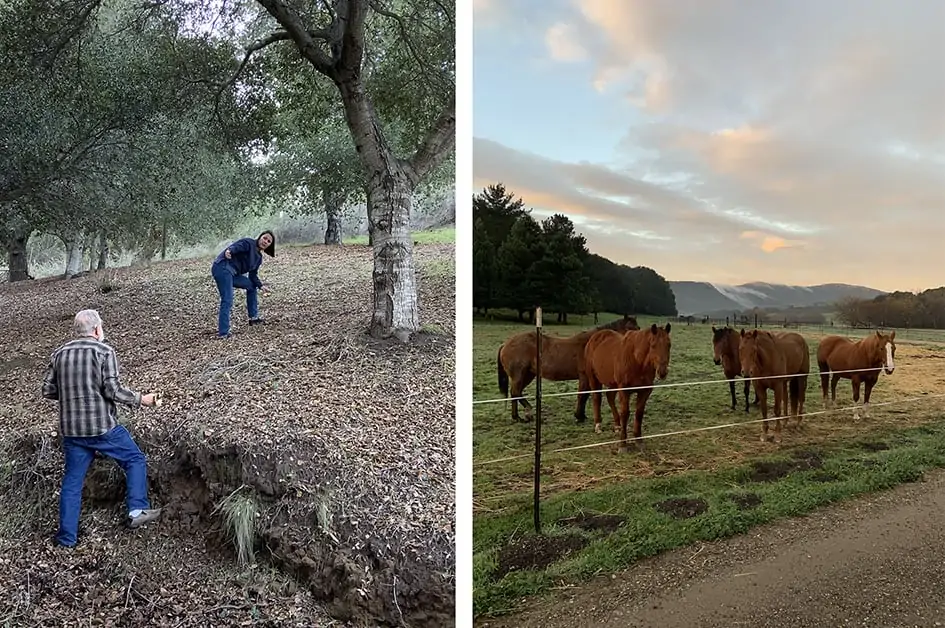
824	375
503	376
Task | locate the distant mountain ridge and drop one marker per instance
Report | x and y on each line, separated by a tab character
700	298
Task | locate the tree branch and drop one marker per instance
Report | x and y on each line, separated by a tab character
405	35
305	39
435	146
253	47
351	15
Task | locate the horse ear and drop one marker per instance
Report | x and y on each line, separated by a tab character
743	332
892	336
668	327
713	329
653	328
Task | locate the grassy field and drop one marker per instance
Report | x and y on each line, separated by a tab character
431	236
613	497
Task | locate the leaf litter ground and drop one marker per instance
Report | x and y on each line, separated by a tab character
344	443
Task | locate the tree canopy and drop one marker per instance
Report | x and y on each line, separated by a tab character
520	263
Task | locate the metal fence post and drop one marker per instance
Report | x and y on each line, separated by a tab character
537	418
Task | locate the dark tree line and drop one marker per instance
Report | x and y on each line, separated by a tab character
519	263
925	310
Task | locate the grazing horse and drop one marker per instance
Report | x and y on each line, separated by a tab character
836	353
561	359
631	359
725	343
774	358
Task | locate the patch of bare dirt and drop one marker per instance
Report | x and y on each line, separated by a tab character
746	501
681	507
771	470
345	443
536	552
594	522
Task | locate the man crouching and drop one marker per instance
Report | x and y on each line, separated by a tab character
83	377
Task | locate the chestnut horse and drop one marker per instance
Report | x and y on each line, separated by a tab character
836	353
725	343
631	359
773	358
561	359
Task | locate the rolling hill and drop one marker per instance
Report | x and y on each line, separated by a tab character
699	298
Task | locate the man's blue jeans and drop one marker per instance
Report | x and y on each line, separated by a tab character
118	445
226	281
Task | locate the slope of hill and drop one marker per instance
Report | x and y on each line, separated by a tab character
698	298
327	452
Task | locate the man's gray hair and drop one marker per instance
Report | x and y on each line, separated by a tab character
85	322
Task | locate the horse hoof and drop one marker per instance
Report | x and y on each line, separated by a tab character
597	428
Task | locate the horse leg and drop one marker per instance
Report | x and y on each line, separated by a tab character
833	390
580	411
642	396
824	381
748	395
595	404
801	398
731	388
624	418
763	402
867	389
780	403
856	398
792	386
518	387
611	396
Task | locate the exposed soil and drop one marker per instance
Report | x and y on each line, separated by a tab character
594	523
536	552
746	501
342	444
682	508
771	470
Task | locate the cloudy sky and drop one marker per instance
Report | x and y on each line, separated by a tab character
728	141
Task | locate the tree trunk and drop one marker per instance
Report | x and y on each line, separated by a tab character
102	251
17	259
333	204
164	241
74	256
396	311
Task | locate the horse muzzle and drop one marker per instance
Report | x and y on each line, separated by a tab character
717	361
889	369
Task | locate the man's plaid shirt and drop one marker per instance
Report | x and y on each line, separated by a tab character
83	376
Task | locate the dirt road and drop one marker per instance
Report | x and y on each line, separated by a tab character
874	561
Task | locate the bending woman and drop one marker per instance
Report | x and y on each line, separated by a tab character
237	267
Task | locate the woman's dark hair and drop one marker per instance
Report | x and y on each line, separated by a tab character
271	249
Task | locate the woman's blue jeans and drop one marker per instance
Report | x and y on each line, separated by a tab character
226	281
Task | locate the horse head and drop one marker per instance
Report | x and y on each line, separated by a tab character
721	337
748	353
627	323
660	345
884	351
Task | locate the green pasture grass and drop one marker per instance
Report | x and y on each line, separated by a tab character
705	464
442	235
